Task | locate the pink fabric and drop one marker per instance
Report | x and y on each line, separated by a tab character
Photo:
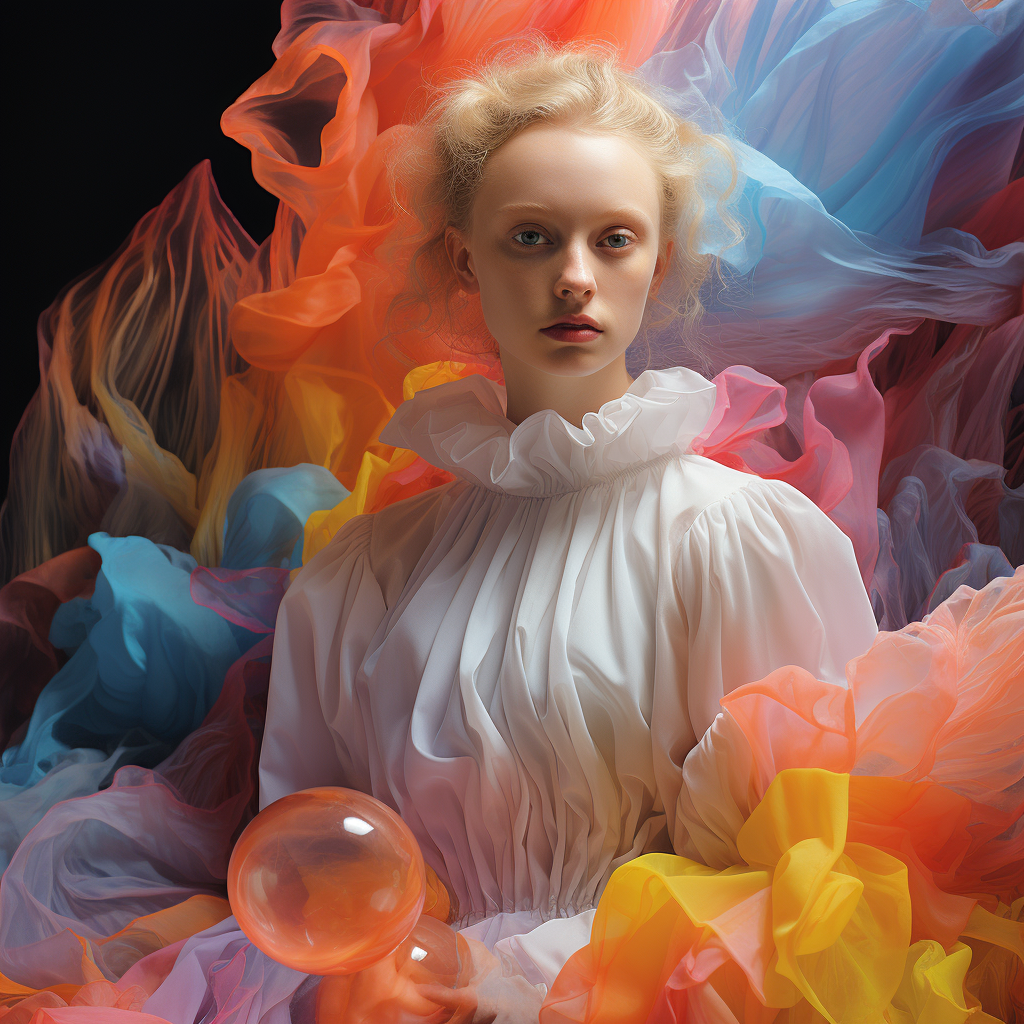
247	597
828	446
931	720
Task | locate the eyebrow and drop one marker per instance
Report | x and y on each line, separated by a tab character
620	212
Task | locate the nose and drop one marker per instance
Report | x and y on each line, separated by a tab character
575	277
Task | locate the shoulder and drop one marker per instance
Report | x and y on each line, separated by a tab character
748	509
382	546
770	553
699	487
333	566
411	516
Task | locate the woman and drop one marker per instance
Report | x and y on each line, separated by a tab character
538	741
519	661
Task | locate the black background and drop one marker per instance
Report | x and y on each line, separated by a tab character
109	106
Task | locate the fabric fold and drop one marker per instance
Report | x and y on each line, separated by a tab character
461	426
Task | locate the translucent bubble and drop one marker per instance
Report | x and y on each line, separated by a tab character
327	881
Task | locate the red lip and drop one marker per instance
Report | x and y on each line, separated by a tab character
575	318
573	327
571	332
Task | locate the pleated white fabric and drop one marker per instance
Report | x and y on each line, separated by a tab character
518	662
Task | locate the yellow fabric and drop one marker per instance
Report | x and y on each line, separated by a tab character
1001	930
996	975
816	924
839	909
932	989
321	526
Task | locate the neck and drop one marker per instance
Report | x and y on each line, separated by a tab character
530	390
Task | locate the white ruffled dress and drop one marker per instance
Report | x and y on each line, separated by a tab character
518	662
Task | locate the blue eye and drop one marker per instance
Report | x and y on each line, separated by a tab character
529	237
617	241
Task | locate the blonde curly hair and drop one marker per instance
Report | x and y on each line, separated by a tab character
436	173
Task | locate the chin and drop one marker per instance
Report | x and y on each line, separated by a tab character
573	361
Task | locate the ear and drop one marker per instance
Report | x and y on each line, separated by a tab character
661	266
461	260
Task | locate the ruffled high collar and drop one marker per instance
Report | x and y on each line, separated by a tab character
461	427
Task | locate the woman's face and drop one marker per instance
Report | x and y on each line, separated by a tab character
565	226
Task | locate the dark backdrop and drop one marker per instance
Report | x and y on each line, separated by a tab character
109	107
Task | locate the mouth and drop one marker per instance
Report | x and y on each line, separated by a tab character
577	329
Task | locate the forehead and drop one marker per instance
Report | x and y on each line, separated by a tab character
570	173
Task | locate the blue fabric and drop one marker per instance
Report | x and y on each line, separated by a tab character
267	514
866	133
152	659
146	662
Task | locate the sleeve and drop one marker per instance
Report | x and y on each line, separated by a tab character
324	627
765	580
768	580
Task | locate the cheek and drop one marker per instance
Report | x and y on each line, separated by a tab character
630	282
506	298
509	286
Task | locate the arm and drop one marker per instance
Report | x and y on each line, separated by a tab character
765	579
325	624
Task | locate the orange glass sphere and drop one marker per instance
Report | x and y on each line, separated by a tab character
433	954
387	992
327	881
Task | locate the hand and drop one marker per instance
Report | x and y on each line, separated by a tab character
379	994
386	994
495	1000
486	994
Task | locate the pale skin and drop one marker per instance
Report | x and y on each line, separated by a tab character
565	222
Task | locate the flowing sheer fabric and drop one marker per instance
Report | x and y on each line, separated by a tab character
866	348
884	202
841	242
840	840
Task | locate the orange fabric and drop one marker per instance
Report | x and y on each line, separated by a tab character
94	1015
307	310
939	701
100	1002
882	828
437	902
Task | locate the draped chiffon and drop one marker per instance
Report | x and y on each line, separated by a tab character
209	420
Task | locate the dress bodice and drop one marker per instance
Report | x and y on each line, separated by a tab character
519	661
